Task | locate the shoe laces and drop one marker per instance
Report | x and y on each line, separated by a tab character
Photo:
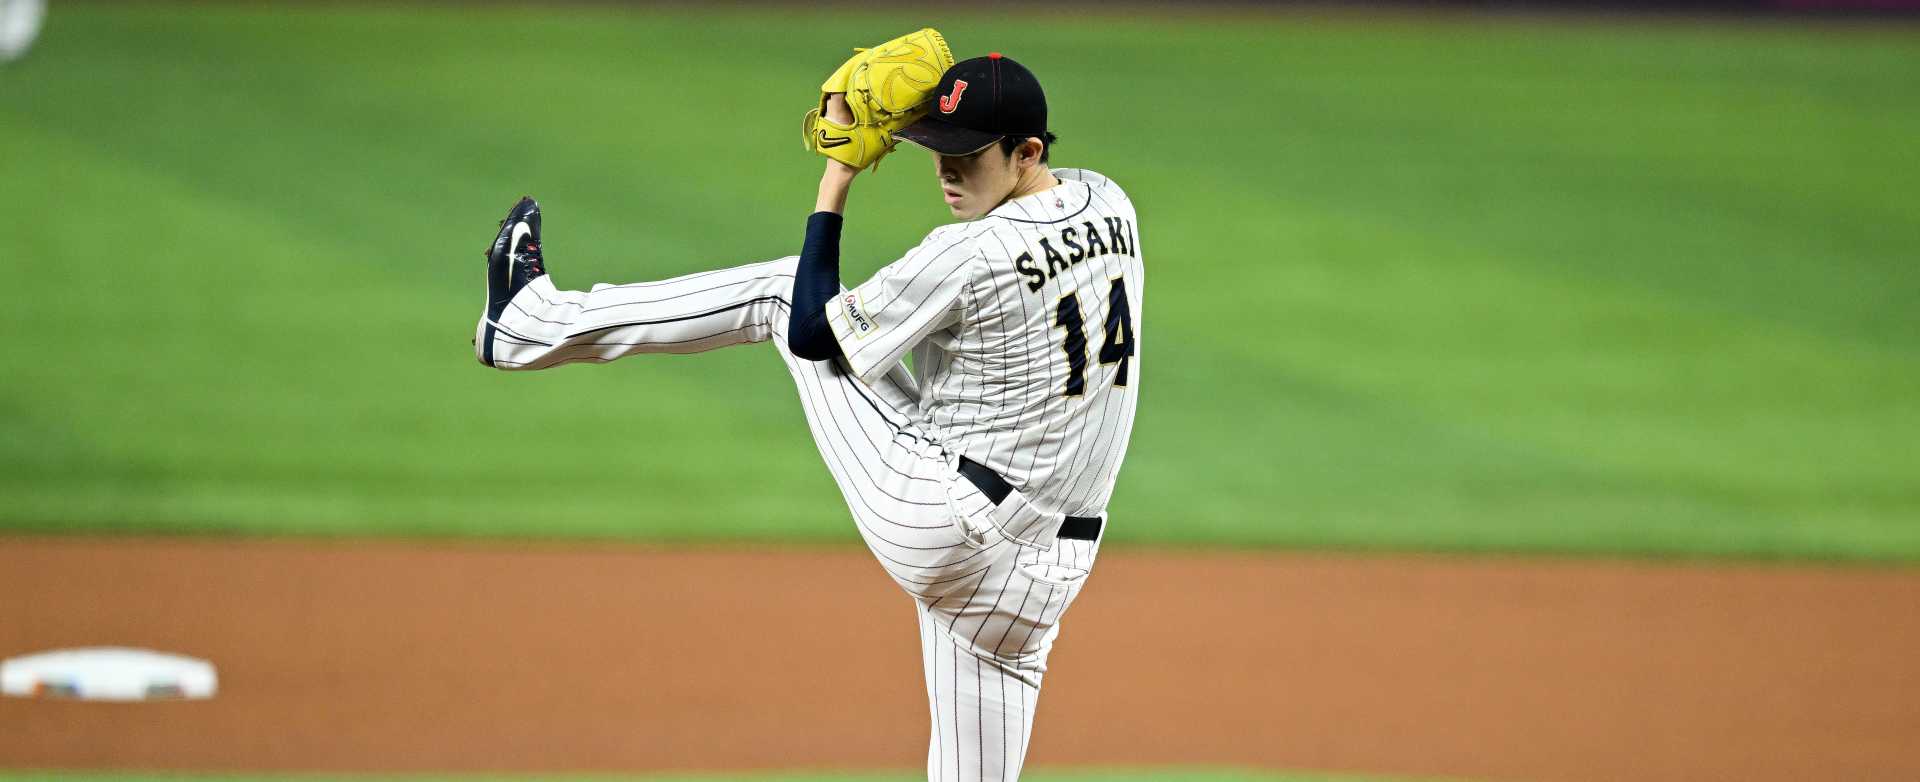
532	260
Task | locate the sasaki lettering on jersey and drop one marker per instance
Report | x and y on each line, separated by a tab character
1082	241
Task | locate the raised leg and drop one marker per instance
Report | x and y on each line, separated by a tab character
892	474
544	326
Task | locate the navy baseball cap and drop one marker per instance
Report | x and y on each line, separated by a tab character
979	102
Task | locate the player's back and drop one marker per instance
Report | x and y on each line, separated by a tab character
1038	378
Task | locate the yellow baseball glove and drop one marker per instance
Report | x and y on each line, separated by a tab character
887	88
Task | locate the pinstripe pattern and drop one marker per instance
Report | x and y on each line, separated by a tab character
989	605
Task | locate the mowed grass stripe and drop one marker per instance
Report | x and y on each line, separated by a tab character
1417	282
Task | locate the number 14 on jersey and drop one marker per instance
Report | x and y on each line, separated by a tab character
1118	347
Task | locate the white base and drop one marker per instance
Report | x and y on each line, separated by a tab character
108	674
19	25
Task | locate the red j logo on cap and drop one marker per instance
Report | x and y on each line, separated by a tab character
951	101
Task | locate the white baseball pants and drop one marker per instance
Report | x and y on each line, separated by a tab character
989	603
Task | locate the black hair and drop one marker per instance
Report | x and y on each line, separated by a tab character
1010	143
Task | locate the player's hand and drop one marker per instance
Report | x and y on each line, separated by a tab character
838	111
838	178
837	108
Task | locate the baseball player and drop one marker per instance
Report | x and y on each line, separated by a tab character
981	485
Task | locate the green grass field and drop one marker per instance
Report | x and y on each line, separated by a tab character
1429	283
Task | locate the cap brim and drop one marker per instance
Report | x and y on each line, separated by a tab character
946	139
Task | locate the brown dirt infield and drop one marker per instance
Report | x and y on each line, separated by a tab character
341	656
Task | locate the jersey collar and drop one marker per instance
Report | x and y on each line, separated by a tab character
1061	202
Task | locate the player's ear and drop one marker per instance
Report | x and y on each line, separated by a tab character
1028	153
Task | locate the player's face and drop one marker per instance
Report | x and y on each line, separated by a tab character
975	184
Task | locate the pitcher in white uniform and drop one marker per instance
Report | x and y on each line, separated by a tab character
981	485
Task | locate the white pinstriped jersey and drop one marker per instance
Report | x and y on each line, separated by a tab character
1024	327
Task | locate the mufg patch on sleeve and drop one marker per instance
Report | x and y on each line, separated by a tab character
862	325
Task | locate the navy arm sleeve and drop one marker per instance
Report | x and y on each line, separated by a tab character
815	282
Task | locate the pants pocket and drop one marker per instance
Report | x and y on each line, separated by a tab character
980	522
1067	564
972	512
1054	575
1019	521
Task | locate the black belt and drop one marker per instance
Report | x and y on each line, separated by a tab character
996	488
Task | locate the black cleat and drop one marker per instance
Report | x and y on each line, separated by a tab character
512	262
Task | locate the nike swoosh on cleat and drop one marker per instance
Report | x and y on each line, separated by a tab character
829	143
513	245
